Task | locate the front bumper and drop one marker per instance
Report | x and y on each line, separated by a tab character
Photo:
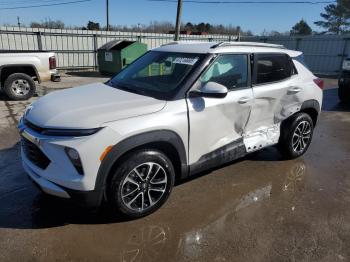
44	184
82	198
59	177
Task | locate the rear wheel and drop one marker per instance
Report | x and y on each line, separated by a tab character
296	135
19	86
344	93
141	184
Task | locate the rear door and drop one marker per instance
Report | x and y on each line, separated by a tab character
217	124
275	98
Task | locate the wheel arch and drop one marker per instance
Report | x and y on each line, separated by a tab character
9	69
166	141
312	108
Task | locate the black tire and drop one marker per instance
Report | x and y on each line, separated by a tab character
25	82
344	93
118	183
290	129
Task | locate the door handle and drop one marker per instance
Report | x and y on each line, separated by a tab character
294	90
243	100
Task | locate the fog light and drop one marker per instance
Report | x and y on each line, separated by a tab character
74	157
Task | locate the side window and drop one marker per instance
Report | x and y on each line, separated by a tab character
228	70
272	68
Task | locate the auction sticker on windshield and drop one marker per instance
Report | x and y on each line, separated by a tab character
185	60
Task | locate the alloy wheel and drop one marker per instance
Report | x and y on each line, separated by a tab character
144	186
301	136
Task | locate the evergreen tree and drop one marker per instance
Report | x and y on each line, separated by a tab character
301	28
336	17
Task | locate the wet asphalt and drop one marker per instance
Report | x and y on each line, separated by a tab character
259	208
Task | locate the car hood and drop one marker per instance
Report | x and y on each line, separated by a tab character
89	106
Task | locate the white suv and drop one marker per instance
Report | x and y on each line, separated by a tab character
178	110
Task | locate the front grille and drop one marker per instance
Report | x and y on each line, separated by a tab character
34	154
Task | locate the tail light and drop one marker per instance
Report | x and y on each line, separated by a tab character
52	62
319	82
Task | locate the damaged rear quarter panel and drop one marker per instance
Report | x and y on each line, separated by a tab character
275	102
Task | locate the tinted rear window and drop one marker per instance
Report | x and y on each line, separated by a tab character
272	68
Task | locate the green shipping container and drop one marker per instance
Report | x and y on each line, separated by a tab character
115	55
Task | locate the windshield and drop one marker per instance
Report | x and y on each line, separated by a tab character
157	74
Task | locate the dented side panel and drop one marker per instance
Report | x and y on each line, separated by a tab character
275	102
215	123
262	137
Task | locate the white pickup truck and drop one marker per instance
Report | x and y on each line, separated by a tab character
19	70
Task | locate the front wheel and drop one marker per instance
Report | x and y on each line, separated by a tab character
296	135
141	184
19	86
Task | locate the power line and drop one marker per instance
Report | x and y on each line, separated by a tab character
247	2
30	2
43	5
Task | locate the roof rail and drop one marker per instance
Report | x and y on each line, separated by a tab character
171	43
253	44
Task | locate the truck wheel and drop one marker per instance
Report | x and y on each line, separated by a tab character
19	86
296	135
344	93
141	184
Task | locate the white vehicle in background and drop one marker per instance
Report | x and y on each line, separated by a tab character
19	70
176	111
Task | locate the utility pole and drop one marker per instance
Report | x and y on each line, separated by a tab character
178	20
107	14
18	22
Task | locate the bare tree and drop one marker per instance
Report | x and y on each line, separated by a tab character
48	23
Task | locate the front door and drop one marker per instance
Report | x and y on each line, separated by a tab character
216	124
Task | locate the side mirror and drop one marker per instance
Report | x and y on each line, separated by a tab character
210	90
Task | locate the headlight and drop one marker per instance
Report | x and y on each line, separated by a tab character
70	132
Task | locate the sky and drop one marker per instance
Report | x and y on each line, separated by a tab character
254	17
